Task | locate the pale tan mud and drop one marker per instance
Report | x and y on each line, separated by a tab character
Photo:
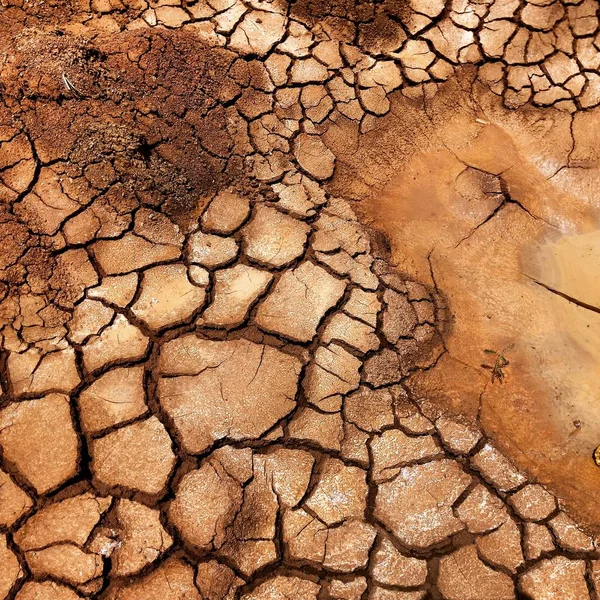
482	204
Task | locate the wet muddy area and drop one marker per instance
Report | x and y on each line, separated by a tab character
299	300
481	215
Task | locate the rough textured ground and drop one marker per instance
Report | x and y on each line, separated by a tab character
252	255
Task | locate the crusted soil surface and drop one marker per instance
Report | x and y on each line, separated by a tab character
298	300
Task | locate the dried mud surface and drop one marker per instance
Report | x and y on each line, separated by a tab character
253	254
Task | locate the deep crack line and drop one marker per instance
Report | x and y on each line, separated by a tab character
571	299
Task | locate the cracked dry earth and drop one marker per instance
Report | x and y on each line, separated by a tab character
252	255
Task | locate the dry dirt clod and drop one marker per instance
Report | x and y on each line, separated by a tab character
233	389
115	397
135	457
297	303
38	438
462	575
417	504
273	239
11	569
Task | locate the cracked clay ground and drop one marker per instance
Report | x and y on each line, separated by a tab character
299	300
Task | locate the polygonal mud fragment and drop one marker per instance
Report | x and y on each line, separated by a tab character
118	289
380	593
199	275
167	297
10	569
448	39
555	578
502	547
272	238
233	389
288	473
277	66
136	457
333	232
414	423
157	228
340	493
323	429
399	318
316	102
119	343
115	397
364	306
497	469
390	567
281	587
494	37
542	17
45	220
141	538
347	547
46	590
64	563
131	253
346	589
357	335
313	156
207	500
211	251
249	556
370	410
533	503
295	306
229	15
14	502
38	438
354	445
235	291
305	538
280	478
393	450
463	576
72	274
459	438
253	103
89	318
258	32
171	16
384	73
225	213
217	581
481	511
298	40
374	100
357	269
382	368
308	70
34	372
67	521
537	541
333	372
569	535
417	504
298	195
171	580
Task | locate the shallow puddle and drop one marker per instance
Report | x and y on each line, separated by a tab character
479	212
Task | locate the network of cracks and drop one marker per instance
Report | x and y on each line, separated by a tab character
204	352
